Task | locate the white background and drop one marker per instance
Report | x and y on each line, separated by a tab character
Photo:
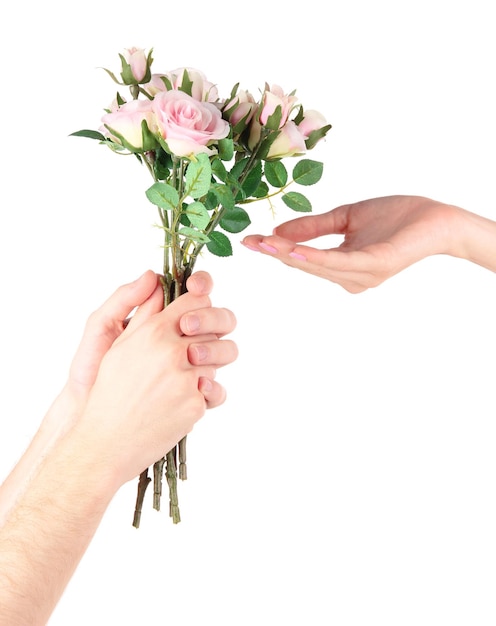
350	477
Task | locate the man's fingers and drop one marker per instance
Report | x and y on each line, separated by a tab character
153	304
212	391
218	352
123	301
200	284
218	321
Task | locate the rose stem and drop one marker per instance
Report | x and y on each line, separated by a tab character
144	479
158	469
171	474
183	470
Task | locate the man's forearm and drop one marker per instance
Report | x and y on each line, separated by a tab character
59	418
48	530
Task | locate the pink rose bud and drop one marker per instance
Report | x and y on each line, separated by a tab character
193	82
312	120
289	142
240	108
156	85
125	126
313	127
135	66
276	102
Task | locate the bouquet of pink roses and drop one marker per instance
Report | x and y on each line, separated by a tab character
208	157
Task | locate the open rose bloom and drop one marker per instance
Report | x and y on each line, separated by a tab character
209	157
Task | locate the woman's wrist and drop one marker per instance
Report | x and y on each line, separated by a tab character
473	238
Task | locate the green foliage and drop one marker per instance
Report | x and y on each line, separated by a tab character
262	191
276	173
316	135
219	170
198	176
162	164
223	195
219	244
90	134
226	149
307	172
297	202
235	220
197	215
193	235
163	195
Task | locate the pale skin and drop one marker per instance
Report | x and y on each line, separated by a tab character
382	237
134	390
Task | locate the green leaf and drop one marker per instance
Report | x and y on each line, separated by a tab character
90	134
266	145
198	176
316	135
273	121
112	76
163	196
307	172
261	191
210	200
252	181
226	149
299	116
219	244
219	169
223	195
198	215
162	164
297	202
276	173
235	220
193	234
187	83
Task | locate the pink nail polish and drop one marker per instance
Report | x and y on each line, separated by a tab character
297	256
268	248
250	247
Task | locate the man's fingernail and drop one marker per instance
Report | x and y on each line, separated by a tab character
192	322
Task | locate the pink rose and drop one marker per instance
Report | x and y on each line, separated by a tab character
187	125
271	99
137	59
312	120
201	88
241	107
155	86
124	125
289	142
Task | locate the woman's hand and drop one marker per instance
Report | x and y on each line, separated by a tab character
382	236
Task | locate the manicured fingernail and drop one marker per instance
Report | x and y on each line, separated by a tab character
268	248
250	247
296	255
